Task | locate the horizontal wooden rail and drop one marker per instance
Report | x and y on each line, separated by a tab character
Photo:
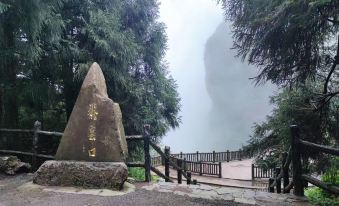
35	133
171	162
212	156
26	153
135	164
322	148
160	174
50	133
299	178
16	130
134	137
323	185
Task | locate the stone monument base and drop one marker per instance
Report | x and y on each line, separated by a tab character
109	175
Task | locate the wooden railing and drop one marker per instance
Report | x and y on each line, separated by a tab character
260	172
201	168
212	156
34	139
299	178
202	163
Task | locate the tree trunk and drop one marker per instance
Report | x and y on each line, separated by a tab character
70	88
10	111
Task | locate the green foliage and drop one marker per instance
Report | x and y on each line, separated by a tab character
292	107
139	174
321	197
331	175
46	48
136	173
268	160
290	40
318	197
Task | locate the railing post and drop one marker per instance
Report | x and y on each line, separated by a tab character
200	172
213	156
163	159
227	155
37	127
286	179
179	163
185	165
197	156
252	171
239	155
180	155
296	162
220	170
270	182
278	180
147	153
167	169
189	177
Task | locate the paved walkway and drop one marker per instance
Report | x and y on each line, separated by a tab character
213	180
234	174
240	170
237	195
19	190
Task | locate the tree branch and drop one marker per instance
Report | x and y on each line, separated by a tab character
335	62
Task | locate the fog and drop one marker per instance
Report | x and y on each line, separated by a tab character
219	102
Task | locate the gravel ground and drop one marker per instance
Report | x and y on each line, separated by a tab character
10	195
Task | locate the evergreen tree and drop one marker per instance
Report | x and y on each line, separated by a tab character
124	37
290	41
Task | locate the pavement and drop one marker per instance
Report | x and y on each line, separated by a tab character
19	190
240	170
234	174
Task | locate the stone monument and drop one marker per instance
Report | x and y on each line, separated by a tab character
93	147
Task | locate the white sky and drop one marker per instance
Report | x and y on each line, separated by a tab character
189	25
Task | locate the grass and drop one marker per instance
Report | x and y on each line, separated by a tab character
139	174
318	197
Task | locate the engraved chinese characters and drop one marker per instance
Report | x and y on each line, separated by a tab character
92	116
94	131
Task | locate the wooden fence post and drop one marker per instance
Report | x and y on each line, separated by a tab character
180	155
239	154
213	156
200	172
167	169
179	163
270	182
189	178
286	179
252	171
37	127
148	177
220	170
227	155
278	180
197	156
296	162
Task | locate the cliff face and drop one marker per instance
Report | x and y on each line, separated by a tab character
236	102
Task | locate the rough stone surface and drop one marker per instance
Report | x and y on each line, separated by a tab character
110	175
94	131
237	195
11	165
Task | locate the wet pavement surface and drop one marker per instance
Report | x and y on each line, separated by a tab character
19	190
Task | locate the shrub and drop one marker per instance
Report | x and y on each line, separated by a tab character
317	195
139	174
